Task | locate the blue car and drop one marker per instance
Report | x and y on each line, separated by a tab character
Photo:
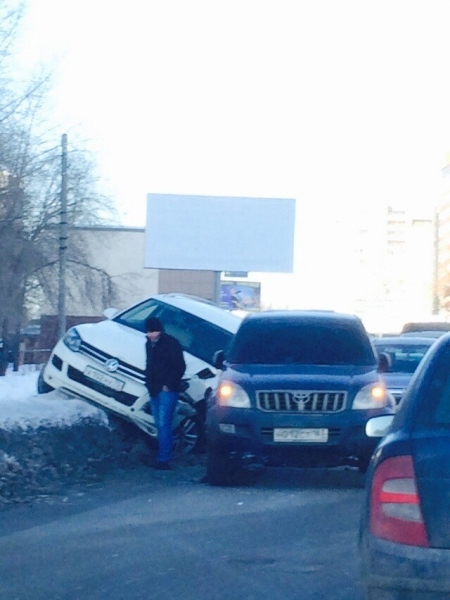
405	525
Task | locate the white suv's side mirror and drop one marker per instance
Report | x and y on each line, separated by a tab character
109	313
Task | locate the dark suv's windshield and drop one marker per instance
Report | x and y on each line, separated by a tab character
290	342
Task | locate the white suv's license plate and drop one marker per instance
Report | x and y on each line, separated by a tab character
300	435
104	378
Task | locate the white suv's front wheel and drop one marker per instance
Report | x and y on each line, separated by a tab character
42	386
186	436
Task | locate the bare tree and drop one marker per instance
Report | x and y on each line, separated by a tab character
29	230
30	191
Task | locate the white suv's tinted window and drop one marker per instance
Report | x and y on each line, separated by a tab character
198	337
135	317
290	342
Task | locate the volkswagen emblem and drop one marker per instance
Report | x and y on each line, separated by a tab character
112	364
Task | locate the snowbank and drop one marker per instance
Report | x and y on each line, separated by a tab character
45	439
22	407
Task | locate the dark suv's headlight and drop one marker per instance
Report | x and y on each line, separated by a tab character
231	394
374	395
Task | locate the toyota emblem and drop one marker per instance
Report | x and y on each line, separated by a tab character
300	397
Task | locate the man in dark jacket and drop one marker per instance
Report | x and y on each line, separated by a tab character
164	369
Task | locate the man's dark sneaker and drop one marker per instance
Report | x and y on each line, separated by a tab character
163	466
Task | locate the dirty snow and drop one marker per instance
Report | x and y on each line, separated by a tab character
48	441
22	407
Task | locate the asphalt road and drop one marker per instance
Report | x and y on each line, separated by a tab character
156	535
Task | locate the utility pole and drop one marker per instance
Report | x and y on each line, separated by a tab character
63	240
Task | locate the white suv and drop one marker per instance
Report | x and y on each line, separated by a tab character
104	362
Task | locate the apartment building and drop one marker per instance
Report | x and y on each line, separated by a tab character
393	265
442	266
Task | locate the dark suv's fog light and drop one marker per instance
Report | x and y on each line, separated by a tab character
227	427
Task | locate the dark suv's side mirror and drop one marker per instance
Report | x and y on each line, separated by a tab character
218	359
384	362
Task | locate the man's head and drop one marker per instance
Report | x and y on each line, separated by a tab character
153	328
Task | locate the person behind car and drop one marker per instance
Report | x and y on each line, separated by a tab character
165	367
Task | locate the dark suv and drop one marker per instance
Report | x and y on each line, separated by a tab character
296	388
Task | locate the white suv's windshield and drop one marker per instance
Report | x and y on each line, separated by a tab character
197	336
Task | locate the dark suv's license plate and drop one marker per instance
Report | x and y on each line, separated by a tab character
292	434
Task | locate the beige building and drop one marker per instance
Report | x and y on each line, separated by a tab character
117	276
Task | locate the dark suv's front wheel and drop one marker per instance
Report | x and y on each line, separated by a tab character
220	469
363	463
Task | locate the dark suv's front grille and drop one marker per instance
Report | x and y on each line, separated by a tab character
308	401
102	357
122	397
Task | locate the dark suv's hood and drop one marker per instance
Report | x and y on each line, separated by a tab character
397	380
317	377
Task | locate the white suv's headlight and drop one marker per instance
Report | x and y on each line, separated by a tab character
374	395
72	340
231	394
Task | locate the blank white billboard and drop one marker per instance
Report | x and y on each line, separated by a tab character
219	233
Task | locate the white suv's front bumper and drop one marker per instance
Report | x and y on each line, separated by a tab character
82	375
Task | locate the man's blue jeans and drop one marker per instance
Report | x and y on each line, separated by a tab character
163	408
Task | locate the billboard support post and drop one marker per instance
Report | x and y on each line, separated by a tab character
217	275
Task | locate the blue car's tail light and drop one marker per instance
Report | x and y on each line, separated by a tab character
395	512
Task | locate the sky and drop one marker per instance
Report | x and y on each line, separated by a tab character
340	105
21	407
335	103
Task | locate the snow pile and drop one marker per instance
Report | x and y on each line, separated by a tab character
22	407
45	439
17	385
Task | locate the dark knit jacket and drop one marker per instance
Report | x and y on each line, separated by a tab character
165	364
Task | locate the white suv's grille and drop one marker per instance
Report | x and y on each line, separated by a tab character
309	401
123	368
